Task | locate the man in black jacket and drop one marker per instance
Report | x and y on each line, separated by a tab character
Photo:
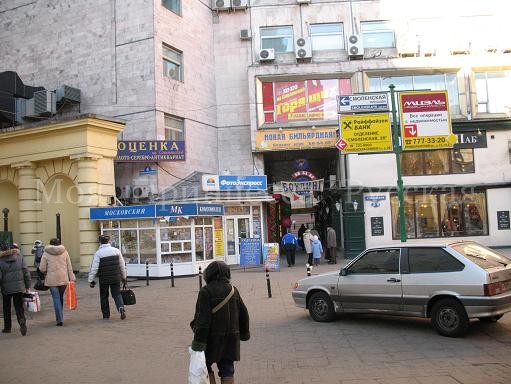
108	264
221	321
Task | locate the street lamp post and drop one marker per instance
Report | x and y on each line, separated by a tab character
5	211
397	151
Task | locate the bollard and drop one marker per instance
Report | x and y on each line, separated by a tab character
147	272
200	277
268	284
172	273
308	270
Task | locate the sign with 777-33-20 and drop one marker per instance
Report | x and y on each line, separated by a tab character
425	120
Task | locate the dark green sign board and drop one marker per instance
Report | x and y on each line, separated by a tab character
503	220
377	228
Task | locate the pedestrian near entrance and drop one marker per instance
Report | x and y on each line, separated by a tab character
331	243
37	251
58	271
289	243
108	265
317	250
301	232
307	243
221	320
14	281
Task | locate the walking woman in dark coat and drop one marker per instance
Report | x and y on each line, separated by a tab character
14	280
221	321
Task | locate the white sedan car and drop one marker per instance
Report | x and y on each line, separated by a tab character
449	283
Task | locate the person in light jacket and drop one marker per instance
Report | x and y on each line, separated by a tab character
14	281
56	265
307	243
221	320
331	243
317	249
108	265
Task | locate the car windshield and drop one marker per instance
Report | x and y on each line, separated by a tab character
482	256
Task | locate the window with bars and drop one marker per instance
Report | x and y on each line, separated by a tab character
327	36
172	63
174	128
278	38
378	34
172	5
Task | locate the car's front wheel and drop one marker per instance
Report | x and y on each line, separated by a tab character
321	307
449	318
491	319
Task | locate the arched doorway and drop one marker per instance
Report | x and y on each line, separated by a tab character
9	200
60	195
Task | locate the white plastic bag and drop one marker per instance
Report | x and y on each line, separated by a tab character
32	301
197	372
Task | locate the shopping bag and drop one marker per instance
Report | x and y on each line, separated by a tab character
197	372
32	302
71	295
128	296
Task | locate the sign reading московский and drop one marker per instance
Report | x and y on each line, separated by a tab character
150	150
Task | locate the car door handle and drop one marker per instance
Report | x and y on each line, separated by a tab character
394	280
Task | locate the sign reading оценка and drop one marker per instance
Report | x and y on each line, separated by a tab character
150	150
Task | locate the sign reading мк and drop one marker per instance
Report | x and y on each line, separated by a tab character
153	211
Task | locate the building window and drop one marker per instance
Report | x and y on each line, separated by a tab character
377	34
174	128
492	90
172	5
307	100
439	82
437	162
441	214
278	38
172	63
327	36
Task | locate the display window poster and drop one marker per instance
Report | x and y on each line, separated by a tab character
308	100
271	256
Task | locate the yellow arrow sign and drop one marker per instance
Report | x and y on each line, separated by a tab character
366	133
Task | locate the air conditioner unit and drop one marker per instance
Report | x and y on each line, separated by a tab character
69	94
303	48
245	34
267	54
303	1
220	5
239	4
355	46
141	191
42	104
123	192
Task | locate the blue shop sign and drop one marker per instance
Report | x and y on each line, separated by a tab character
166	210
150	150
129	212
210	210
375	200
242	183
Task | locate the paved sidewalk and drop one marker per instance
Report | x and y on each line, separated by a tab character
150	346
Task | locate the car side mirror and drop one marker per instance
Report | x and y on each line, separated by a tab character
344	272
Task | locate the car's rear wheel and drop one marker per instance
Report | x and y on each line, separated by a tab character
491	319
449	318
321	307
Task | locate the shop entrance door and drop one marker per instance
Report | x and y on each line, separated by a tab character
237	228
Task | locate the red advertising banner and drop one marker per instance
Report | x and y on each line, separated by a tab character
290	101
310	100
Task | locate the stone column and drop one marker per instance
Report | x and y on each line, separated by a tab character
87	181
29	208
